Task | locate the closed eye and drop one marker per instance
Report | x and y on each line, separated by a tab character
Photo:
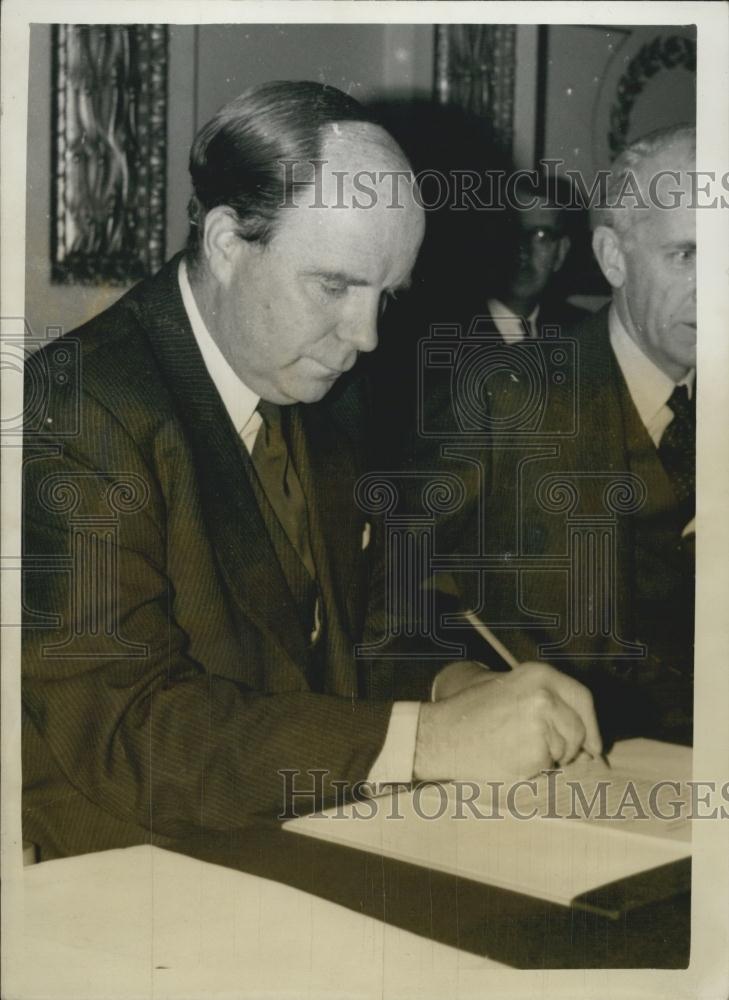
332	288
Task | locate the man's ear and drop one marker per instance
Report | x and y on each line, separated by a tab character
563	248
609	254
222	242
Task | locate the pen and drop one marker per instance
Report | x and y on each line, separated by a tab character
485	632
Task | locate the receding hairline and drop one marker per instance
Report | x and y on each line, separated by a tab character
350	137
366	152
677	141
681	149
350	145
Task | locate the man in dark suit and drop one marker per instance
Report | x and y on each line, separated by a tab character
197	571
524	268
590	515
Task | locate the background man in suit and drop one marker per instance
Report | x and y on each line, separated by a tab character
525	266
614	608
204	569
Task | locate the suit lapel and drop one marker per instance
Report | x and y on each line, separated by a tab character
601	441
327	467
334	467
613	407
234	523
600	447
605	435
661	493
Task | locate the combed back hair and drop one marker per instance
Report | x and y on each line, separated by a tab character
236	158
628	168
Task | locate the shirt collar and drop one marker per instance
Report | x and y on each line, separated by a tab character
238	399
509	324
649	387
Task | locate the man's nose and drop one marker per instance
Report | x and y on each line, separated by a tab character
361	331
524	251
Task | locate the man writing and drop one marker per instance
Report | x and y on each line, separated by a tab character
622	617
203	638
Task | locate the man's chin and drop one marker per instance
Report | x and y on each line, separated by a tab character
685	345
314	389
687	361
524	289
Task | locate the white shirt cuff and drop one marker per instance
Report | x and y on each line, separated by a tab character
397	757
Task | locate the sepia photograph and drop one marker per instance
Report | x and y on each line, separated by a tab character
365	535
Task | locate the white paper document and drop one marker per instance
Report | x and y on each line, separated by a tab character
548	842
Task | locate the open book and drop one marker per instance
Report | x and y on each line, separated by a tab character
556	838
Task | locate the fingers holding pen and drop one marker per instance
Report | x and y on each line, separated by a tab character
570	709
509	725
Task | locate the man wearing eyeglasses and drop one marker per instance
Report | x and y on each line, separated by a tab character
592	497
525	297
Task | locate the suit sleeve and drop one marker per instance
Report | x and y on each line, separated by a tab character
134	722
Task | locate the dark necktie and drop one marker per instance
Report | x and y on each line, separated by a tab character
677	448
277	475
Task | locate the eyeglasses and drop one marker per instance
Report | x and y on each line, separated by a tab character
538	237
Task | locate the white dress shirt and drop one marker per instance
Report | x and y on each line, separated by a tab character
395	760
239	401
511	326
649	387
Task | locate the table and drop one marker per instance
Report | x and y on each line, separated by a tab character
149	922
292	916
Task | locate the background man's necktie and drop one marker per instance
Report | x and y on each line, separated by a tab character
277	475
677	449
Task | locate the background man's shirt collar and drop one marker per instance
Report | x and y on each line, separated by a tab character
509	325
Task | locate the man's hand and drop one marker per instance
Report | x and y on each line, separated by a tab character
509	725
456	676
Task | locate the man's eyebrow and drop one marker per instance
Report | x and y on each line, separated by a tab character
680	245
342	277
339	276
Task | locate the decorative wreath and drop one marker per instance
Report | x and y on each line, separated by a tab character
662	53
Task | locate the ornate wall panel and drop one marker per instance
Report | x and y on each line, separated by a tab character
109	152
475	68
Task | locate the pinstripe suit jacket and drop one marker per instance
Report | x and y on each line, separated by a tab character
164	665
